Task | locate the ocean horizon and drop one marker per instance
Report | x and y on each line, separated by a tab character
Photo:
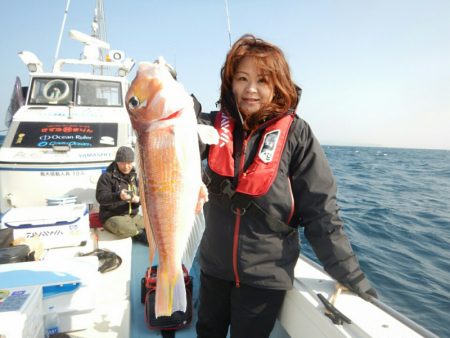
395	207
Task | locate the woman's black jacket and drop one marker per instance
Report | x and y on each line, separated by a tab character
255	255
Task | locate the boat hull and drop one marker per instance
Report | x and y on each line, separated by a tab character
303	314
47	181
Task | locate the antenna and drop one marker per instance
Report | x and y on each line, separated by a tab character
88	40
228	22
62	30
99	30
98	24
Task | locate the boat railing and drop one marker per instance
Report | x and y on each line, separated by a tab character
123	67
405	320
398	316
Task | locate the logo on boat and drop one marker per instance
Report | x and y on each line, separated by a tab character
107	140
75	135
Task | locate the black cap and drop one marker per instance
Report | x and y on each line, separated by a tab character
125	154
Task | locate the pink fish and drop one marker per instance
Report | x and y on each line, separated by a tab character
168	163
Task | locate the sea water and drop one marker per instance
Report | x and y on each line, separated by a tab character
395	204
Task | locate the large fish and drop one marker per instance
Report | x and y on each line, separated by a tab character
169	167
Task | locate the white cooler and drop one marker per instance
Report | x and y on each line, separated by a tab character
56	226
68	287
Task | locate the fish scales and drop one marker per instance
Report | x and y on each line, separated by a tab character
167	186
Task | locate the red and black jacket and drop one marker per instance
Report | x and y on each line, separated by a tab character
259	194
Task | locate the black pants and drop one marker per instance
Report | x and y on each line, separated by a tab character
250	311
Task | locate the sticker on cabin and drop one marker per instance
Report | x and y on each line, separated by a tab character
73	173
269	145
70	135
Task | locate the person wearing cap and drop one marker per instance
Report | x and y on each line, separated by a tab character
117	194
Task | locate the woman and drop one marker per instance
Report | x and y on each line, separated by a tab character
267	176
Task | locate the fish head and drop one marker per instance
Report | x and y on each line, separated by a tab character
154	95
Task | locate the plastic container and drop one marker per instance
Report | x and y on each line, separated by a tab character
51	322
15	254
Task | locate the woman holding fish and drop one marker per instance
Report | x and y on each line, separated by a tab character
267	176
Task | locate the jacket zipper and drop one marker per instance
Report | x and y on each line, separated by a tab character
237	222
292	202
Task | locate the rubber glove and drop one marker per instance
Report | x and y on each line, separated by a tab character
361	286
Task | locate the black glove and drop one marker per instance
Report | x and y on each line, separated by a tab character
361	286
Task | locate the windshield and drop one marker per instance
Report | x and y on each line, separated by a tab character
51	91
99	93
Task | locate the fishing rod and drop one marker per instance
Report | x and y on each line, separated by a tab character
228	21
62	30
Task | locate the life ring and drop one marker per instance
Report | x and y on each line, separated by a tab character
56	90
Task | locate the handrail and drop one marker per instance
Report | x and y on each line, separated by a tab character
398	316
405	320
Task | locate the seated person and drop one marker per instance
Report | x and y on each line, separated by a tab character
118	196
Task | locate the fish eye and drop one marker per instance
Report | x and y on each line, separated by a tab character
133	102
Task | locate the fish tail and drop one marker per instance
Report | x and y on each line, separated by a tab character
170	291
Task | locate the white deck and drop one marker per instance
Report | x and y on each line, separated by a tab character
119	313
111	317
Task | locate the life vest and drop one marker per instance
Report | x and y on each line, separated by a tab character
259	176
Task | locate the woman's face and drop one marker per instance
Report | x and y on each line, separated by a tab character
251	88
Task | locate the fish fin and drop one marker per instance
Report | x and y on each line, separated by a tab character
194	240
208	134
148	227
170	291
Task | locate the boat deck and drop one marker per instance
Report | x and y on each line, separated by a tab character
138	327
118	311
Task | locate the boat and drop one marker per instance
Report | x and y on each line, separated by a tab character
64	127
63	131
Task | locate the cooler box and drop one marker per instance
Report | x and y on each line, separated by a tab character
21	312
56	226
67	287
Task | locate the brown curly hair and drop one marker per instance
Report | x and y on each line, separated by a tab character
272	61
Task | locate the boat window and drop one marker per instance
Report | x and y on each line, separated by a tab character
51	91
70	135
99	93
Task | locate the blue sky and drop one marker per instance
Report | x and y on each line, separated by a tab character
373	72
